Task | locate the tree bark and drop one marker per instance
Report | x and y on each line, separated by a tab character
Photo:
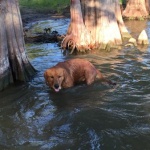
78	36
136	9
14	63
92	25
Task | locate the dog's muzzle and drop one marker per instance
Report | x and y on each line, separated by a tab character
57	87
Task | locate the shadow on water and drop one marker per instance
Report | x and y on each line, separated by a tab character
95	117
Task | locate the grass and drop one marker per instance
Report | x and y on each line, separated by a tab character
122	1
55	5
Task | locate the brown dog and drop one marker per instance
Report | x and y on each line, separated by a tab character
68	73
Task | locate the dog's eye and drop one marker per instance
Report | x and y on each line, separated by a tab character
51	77
59	76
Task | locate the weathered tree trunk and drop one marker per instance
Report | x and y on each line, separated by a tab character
136	9
14	63
95	24
78	36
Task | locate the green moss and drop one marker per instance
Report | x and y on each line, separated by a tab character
141	18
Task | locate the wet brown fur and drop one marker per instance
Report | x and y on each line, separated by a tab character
68	73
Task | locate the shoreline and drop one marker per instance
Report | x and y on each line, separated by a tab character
29	15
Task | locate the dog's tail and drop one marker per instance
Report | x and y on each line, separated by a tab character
101	77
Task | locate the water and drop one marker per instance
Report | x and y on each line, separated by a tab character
95	117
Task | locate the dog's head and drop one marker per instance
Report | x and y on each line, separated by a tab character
54	78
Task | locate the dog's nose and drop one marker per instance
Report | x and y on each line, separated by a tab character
56	86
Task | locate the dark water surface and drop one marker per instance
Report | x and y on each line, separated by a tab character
96	117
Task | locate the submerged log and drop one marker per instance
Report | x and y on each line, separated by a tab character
43	37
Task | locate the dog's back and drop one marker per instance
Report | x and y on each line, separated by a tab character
77	69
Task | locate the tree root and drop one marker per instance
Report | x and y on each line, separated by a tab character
69	43
71	46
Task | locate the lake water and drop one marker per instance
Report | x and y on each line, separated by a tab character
95	117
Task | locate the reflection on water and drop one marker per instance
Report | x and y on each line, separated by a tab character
135	27
95	117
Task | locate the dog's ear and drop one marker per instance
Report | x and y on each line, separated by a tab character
68	81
